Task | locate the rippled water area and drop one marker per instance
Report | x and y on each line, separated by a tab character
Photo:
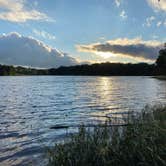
31	105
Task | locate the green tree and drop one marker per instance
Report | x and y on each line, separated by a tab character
161	60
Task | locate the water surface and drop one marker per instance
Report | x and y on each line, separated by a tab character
30	105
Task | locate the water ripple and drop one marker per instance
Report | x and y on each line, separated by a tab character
29	106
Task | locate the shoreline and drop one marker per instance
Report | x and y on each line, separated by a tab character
161	77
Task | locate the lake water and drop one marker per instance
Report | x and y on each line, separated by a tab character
30	105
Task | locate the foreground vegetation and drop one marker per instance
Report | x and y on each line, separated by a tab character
141	141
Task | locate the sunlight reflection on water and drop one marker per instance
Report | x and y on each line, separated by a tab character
29	106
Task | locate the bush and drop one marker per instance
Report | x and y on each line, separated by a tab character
140	142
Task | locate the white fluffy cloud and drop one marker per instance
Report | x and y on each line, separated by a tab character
123	14
159	23
16	49
132	48
157	5
118	3
44	34
16	11
149	21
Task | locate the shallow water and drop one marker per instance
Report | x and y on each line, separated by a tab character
30	105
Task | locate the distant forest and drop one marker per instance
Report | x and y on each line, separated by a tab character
103	69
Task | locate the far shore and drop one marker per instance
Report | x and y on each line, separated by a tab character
161	77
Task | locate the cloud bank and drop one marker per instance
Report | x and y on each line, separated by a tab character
16	11
132	48
16	49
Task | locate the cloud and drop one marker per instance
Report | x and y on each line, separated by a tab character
16	11
130	48
159	23
44	34
16	49
118	3
157	5
123	14
149	21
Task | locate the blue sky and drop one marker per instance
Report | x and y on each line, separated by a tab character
67	25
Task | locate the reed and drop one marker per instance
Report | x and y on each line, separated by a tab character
141	142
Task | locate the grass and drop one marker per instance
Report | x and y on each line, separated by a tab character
141	142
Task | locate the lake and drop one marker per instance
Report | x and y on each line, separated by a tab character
31	105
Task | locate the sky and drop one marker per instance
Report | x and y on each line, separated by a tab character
52	33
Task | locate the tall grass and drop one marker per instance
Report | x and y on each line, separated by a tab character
141	142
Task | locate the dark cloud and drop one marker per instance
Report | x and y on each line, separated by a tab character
133	48
26	51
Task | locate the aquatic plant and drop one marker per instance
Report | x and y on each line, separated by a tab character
141	141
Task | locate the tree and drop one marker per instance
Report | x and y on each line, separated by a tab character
161	60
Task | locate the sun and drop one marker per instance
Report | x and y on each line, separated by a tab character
105	55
